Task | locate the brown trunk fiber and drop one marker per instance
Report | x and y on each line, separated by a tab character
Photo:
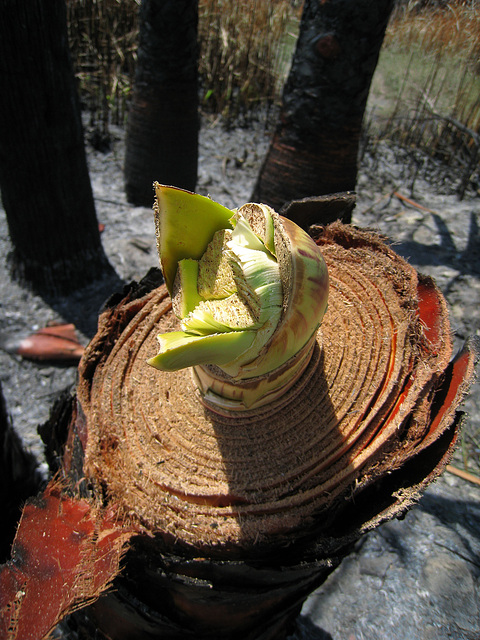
277	495
244	485
315	145
236	518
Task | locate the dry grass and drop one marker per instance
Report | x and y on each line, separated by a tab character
450	28
426	90
245	50
103	42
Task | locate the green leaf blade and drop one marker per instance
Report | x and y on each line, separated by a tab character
179	349
185	223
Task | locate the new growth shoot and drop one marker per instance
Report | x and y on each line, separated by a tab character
250	290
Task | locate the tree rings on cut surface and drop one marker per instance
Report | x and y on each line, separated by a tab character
375	408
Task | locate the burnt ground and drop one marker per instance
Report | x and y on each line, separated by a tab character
411	579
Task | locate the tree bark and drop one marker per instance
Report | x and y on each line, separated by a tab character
44	178
232	520
315	144
163	123
274	497
19	478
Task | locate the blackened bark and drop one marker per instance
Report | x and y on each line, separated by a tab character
163	123
19	479
44	178
315	145
327	208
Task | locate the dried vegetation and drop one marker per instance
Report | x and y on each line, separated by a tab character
426	91
244	54
425	94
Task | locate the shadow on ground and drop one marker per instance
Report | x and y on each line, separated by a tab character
446	253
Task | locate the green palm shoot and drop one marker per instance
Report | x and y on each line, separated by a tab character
250	289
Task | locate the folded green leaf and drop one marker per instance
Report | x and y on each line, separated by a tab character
185	296
185	223
179	349
250	289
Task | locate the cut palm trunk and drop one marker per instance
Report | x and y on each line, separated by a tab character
234	517
19	478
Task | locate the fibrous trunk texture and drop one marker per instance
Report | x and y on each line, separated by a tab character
65	554
243	484
315	145
163	121
44	178
236	518
293	482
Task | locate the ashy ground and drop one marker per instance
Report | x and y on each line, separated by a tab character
409	580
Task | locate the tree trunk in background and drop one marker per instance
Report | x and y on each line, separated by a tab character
314	148
44	178
163	123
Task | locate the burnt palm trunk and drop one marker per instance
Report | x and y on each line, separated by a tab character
231	520
44	178
249	512
315	145
19	478
163	123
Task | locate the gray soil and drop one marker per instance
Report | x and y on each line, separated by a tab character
413	579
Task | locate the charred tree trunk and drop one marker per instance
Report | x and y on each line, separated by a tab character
44	178
230	518
19	479
163	123
315	145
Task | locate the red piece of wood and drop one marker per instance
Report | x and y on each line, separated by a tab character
66	552
57	342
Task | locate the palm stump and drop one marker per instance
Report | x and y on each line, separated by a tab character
232	517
